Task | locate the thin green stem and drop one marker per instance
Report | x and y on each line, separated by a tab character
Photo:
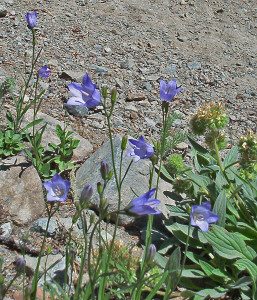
35	279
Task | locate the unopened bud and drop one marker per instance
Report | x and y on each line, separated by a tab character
102	203
124	142
48	250
20	264
99	188
188	208
104	92
75	217
73	253
86	194
151	251
104	169
92	219
114	96
110	175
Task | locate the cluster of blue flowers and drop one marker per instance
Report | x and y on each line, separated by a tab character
87	94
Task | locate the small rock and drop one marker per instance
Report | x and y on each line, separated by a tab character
182	38
194	65
182	146
71	75
76	110
171	69
131	107
107	50
135	97
99	69
148	86
3	11
40	226
153	77
133	115
6	229
119	83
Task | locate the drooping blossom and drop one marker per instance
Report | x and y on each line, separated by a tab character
31	19
144	205
85	94
202	216
168	91
44	72
140	149
57	188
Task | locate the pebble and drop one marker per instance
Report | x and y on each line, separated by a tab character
135	97
3	11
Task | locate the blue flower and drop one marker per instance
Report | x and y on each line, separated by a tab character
202	216
143	205
168	91
57	188
140	149
44	72
85	94
31	19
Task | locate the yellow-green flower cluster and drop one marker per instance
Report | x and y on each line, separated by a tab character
174	164
210	117
209	121
248	150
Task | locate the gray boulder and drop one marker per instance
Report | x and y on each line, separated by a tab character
21	190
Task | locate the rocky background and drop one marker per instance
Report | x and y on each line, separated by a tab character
208	46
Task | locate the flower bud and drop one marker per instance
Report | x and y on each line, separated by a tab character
110	175
48	250
113	96
104	169
104	92
124	142
99	188
92	219
151	251
20	264
102	203
86	194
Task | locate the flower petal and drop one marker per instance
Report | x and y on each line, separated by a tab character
204	226
75	89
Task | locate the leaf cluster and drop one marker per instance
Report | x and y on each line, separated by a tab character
10	143
222	261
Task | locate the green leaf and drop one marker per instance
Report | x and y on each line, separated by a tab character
10	119
160	260
173	266
231	157
167	244
180	231
31	124
175	211
219	208
228	245
192	273
197	146
248	265
166	174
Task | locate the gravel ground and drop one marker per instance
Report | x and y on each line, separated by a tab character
208	46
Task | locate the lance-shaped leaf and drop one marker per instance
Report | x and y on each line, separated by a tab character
228	245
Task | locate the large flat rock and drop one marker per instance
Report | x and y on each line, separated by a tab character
21	190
